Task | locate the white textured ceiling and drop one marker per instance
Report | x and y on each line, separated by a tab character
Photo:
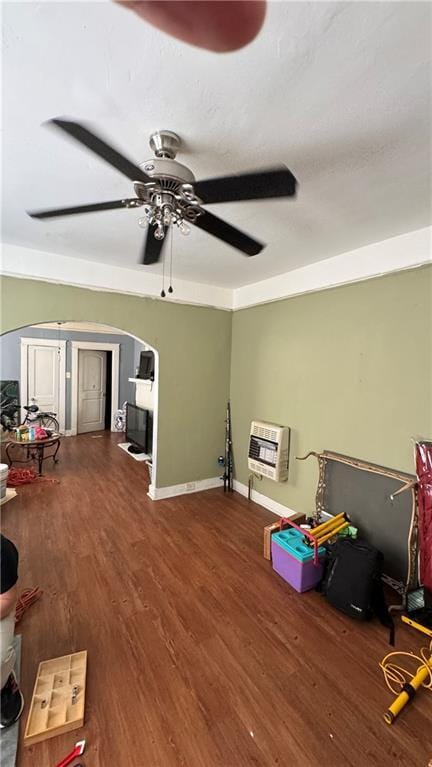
340	92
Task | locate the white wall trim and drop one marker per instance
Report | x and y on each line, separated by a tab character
263	500
26	263
406	251
160	493
81	327
61	345
115	366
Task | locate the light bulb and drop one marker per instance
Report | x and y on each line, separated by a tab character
142	222
167	217
148	212
159	232
184	228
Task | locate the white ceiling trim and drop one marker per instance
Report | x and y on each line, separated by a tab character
18	261
406	251
403	252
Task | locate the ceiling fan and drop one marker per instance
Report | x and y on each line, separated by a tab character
170	194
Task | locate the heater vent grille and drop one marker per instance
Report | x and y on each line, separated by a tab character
269	450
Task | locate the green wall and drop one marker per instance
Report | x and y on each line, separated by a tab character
194	362
349	369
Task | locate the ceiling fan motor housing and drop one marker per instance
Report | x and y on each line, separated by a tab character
169	192
169	169
172	186
163	168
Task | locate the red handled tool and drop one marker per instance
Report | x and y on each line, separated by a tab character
77	751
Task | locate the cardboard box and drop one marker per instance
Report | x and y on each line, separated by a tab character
268	531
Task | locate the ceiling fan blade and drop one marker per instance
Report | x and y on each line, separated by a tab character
257	185
130	203
153	247
101	148
229	234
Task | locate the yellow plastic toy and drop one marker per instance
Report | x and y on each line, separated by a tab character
324	527
407	683
328	529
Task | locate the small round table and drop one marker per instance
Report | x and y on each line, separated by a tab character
35	450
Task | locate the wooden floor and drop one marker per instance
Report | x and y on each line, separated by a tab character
199	656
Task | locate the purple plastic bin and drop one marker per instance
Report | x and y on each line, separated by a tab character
302	576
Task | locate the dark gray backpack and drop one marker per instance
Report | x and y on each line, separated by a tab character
352	580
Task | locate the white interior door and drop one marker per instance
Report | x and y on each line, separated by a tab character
43	373
43	376
91	390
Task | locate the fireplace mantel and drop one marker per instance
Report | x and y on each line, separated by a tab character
143	392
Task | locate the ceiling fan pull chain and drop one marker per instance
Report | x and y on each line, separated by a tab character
171	289
163	294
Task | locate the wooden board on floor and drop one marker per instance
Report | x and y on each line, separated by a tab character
57	704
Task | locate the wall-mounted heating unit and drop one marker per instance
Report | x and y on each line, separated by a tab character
269	450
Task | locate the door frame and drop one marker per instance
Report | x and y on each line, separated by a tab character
115	368
61	345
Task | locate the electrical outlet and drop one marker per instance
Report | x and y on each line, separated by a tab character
190	485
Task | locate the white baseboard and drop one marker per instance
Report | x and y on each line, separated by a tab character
73	432
159	493
263	500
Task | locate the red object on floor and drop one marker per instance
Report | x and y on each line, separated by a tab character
26	476
25	600
20	477
424	475
76	751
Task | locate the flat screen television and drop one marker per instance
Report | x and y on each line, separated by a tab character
137	427
146	366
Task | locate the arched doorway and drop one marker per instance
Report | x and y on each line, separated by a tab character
64	345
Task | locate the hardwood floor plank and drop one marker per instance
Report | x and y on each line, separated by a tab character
199	655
